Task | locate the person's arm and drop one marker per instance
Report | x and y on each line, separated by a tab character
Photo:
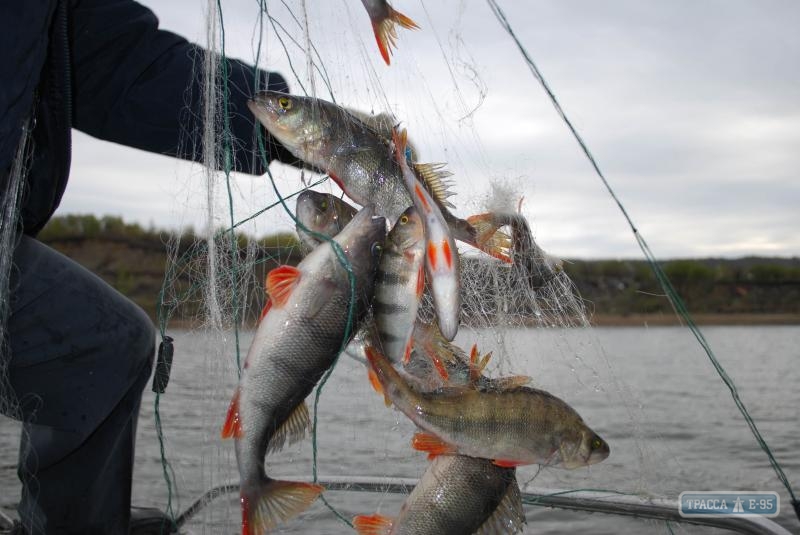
143	87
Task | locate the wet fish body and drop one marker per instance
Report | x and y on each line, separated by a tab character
441	255
538	267
296	342
515	426
399	285
321	213
456	495
331	139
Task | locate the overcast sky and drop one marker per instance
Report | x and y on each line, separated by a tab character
692	109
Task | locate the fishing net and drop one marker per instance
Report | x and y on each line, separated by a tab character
213	290
532	323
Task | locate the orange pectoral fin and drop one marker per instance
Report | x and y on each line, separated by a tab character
232	428
439	365
448	254
431	444
280	283
377	386
373	524
422	197
420	281
432	256
266	308
505	463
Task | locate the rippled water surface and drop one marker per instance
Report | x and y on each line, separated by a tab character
650	392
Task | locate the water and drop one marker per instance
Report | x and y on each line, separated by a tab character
651	393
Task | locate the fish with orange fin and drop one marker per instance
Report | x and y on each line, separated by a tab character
384	18
436	363
320	213
512	427
359	159
456	495
298	339
441	255
399	285
536	265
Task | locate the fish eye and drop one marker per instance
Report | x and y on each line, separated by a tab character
403	219
324	205
285	103
376	249
597	444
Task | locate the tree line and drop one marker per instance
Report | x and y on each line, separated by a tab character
134	259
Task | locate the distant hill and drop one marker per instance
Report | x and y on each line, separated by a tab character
133	260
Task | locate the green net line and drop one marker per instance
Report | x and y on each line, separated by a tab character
673	296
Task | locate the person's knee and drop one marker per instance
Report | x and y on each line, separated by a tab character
141	337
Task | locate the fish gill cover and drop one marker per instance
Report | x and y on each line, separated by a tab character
522	326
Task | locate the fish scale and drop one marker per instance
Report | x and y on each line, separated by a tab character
296	342
513	426
456	495
398	285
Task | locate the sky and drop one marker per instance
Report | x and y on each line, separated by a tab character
692	110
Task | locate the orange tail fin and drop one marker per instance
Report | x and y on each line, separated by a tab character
489	238
386	34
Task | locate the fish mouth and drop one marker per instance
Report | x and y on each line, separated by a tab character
262	105
599	455
309	208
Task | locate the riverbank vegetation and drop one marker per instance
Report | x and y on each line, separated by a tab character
133	260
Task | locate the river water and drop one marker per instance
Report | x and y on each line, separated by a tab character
650	392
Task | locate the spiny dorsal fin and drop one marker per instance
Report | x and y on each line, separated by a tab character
507	517
292	430
510	382
434	176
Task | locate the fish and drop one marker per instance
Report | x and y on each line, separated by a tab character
452	365
359	159
399	285
297	340
384	18
456	495
382	123
537	266
321	213
512	427
441	254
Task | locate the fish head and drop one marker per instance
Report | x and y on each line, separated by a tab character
588	449
301	124
362	242
323	213
408	231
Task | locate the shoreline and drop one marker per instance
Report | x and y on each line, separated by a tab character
631	320
670	320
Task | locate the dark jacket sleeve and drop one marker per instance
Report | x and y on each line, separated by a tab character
143	87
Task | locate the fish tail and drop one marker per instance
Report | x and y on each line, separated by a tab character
489	238
274	501
373	524
393	386
385	33
401	19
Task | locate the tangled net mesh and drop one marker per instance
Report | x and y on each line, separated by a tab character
214	288
532	321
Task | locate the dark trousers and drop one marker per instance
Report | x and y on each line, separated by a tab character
81	354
